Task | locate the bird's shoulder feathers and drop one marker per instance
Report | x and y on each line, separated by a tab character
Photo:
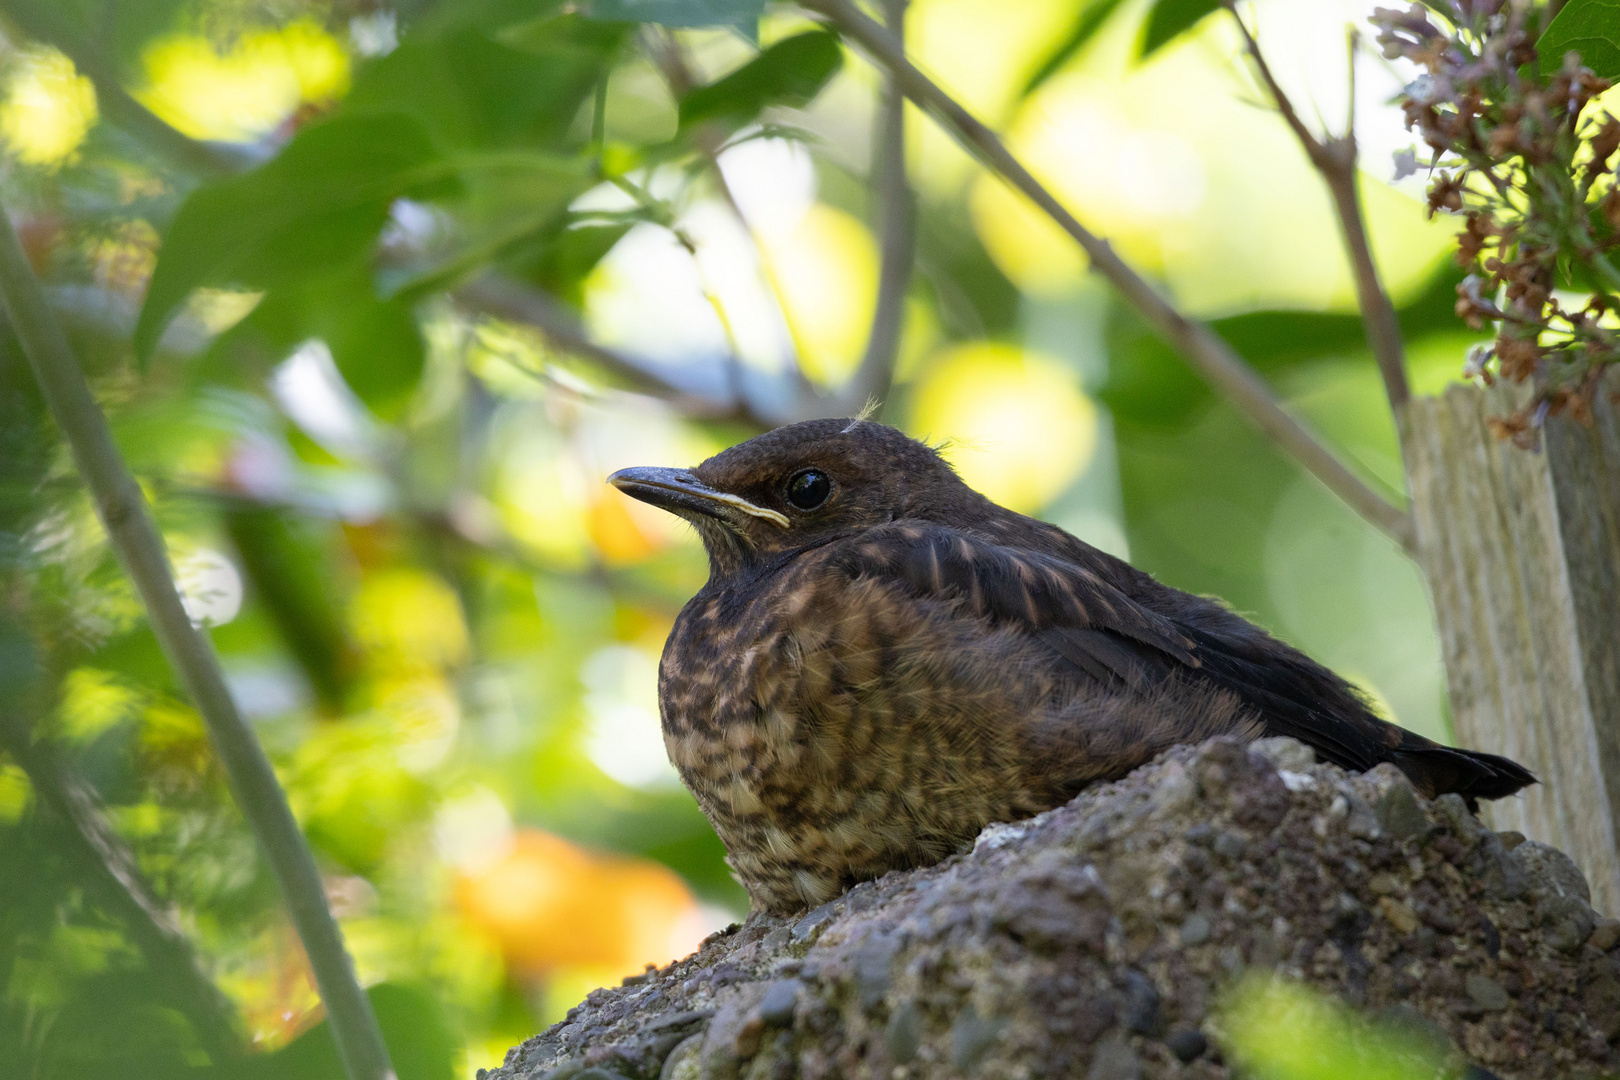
1083	618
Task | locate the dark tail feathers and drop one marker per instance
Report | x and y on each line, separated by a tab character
1298	697
1435	770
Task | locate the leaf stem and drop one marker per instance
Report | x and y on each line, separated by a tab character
134	536
502	298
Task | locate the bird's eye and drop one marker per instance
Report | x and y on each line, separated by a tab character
808	489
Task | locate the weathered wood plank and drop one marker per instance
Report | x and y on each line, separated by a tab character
1522	554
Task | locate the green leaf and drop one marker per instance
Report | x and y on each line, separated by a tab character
509	197
293	575
791	72
742	14
1091	20
375	343
1169	19
317	205
1588	27
560	261
494	16
473	92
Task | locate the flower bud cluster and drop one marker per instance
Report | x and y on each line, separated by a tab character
1520	156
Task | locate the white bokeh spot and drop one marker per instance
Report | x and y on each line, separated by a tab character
624	738
210	588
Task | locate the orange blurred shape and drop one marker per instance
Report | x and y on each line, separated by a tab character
615	533
548	904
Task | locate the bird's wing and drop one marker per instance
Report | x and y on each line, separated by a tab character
1083	618
1096	628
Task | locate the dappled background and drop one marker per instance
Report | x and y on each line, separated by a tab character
381	476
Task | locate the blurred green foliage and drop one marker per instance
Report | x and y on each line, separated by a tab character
385	497
1281	1031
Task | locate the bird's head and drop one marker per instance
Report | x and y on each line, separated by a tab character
801	484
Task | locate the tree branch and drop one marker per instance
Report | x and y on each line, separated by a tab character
1335	159
124	512
110	870
191	155
1212	357
500	297
897	224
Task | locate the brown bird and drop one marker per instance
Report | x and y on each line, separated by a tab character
883	661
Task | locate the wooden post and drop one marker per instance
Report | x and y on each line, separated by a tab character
1522	553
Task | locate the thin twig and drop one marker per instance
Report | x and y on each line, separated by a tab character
667	53
128	521
1205	350
491	294
111	873
1335	159
512	301
502	298
897	225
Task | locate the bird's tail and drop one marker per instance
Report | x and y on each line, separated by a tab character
1435	770
1298	697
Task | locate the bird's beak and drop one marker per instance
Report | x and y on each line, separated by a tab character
679	492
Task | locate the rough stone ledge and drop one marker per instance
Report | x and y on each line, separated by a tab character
1093	941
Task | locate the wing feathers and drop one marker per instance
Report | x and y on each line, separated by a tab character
1034	591
1098	632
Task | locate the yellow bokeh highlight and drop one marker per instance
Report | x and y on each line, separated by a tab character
173	737
422	716
1138	187
240	93
825	268
94	701
318	60
542	498
983	52
409	619
1172	164
15	793
1020	429
48	109
1023	241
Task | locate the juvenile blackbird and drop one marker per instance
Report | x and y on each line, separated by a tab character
884	661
